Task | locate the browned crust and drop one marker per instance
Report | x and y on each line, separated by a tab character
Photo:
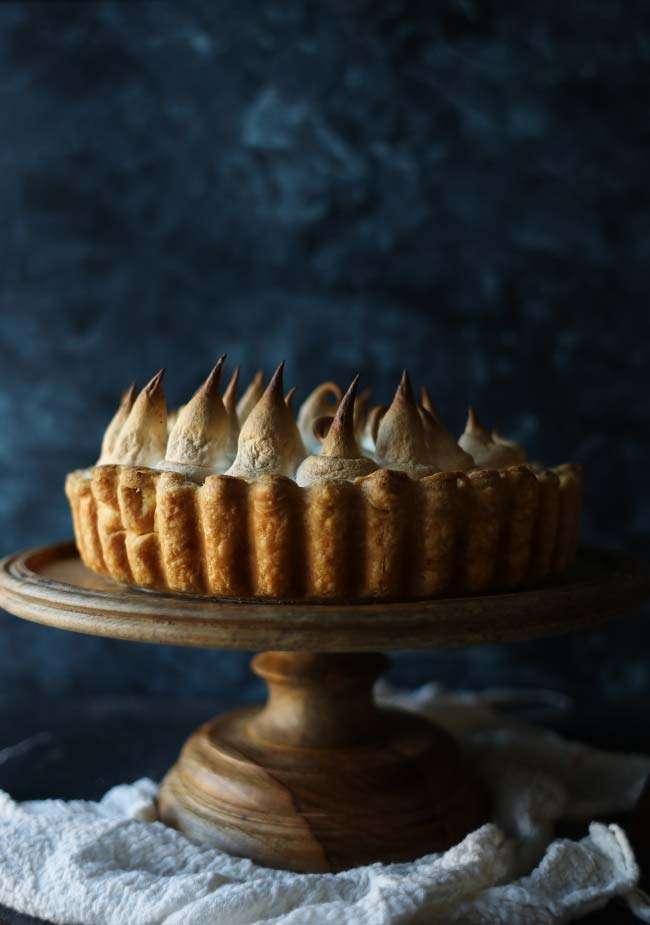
388	500
439	504
545	529
568	527
110	525
178	525
329	521
223	515
384	536
484	530
84	520
274	516
522	493
137	499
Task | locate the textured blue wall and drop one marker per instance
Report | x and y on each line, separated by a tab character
459	187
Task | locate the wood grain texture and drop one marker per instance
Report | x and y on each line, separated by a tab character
50	585
321	778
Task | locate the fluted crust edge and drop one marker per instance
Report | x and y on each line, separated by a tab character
382	537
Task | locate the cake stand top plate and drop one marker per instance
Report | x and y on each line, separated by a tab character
50	585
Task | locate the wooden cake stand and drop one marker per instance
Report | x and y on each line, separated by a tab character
319	778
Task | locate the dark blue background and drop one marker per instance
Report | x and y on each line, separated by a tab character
459	187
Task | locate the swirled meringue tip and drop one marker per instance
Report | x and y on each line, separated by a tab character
112	432
340	457
143	438
322	402
370	428
322	426
200	437
288	398
444	452
251	396
428	405
401	443
269	442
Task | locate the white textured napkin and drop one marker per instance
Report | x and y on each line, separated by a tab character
109	863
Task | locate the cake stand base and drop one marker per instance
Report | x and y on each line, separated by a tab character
320	778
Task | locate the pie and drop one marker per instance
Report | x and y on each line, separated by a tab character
350	502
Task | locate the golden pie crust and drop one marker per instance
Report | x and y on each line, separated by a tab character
384	536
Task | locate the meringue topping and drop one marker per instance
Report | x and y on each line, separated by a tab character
401	441
198	442
230	404
172	417
371	427
322	402
360	406
250	397
444	452
143	437
340	457
516	449
488	452
269	441
112	432
428	405
206	435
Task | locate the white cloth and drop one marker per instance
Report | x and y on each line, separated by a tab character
109	863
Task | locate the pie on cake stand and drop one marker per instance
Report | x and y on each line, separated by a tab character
322	542
319	778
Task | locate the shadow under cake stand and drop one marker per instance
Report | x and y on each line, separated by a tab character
319	778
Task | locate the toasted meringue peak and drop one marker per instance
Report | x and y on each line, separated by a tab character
230	404
340	456
322	402
475	439
143	437
112	432
172	417
428	405
360	406
269	442
487	452
230	395
444	452
250	397
340	440
198	442
206	435
401	442
371	427
474	426
516	448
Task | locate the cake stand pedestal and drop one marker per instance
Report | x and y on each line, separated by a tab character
319	778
